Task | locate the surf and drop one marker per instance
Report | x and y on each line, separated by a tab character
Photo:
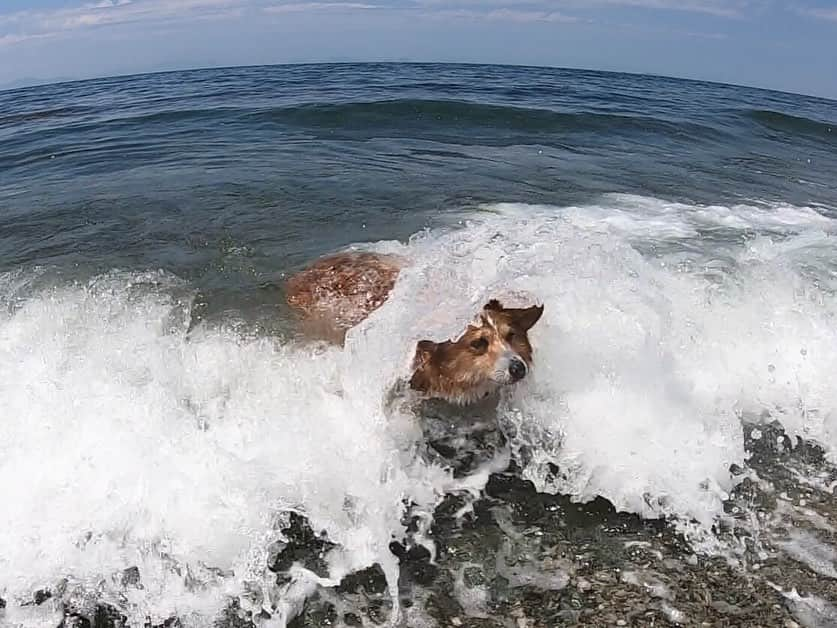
136	442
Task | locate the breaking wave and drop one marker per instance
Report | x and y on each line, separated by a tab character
132	441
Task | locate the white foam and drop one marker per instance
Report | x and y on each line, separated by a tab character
804	547
810	610
649	582
474	598
802	514
643	366
642	215
674	615
46	615
128	442
548	574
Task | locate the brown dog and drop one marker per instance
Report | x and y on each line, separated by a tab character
338	292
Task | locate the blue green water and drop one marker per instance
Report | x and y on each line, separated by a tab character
292	161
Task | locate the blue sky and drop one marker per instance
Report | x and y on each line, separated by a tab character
789	45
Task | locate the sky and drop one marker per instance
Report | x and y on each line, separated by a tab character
788	45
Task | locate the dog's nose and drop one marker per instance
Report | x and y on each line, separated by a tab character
517	370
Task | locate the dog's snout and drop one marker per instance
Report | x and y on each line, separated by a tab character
517	369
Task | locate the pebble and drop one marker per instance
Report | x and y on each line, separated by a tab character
621	622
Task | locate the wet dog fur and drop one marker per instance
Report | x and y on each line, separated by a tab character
337	292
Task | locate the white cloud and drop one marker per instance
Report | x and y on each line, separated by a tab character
512	15
31	24
300	7
821	13
720	8
22	26
503	15
11	39
107	4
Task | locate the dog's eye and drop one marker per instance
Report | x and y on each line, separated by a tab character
510	336
480	344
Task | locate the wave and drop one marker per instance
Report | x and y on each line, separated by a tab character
13	120
131	441
778	121
30	132
386	113
409	113
107	136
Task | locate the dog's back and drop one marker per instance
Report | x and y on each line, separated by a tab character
339	291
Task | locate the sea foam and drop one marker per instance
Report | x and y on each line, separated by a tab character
131	441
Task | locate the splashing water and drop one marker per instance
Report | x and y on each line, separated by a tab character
130	441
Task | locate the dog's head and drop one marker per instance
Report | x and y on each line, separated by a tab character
494	351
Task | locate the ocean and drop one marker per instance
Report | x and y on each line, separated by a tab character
174	451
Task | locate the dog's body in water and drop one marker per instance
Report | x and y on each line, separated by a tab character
454	386
338	292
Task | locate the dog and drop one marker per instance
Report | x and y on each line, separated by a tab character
339	291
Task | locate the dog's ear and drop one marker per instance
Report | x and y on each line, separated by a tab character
420	380
424	352
493	306
527	317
